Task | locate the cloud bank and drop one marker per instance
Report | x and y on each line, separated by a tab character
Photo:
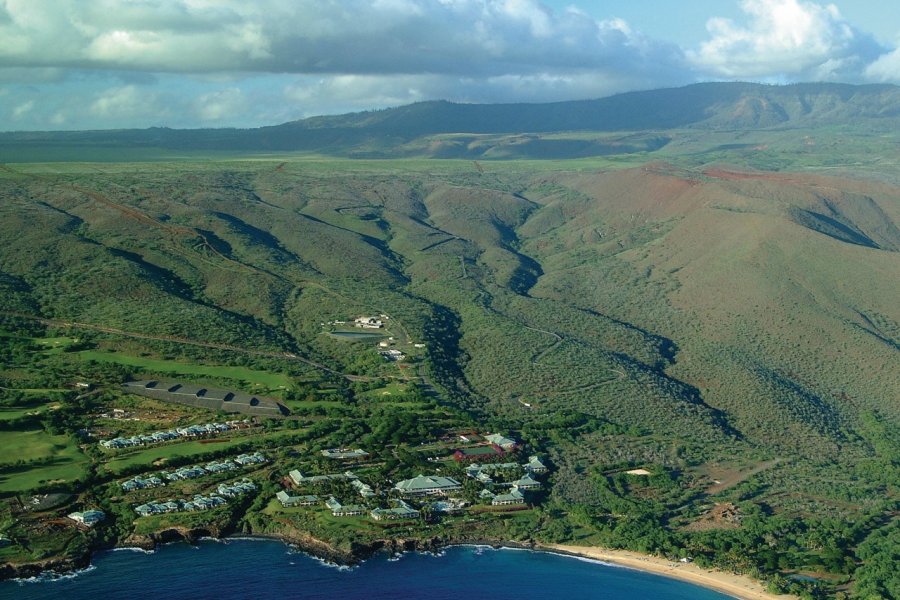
790	39
120	63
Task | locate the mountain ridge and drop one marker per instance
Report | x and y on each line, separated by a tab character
718	106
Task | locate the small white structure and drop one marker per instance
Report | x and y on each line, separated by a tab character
88	517
640	472
368	323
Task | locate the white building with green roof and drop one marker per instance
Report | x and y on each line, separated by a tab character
401	511
502	441
343	510
88	517
426	485
287	499
513	497
534	465
527	482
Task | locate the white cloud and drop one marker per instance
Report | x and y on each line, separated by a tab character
117	102
886	68
488	37
189	63
221	105
121	105
789	39
22	109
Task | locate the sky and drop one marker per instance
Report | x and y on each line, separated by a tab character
103	64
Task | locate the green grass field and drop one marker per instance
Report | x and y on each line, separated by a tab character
272	381
17	412
386	392
61	459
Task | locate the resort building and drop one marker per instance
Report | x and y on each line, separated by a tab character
300	479
513	497
483	478
140	483
257	458
186	473
88	517
345	454
220	467
202	503
504	442
287	500
159	437
527	482
401	511
145	510
237	488
534	465
198	503
365	490
481	472
427	485
341	510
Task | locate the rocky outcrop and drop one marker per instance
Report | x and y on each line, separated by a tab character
303	541
34	569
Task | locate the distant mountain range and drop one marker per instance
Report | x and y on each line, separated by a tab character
706	106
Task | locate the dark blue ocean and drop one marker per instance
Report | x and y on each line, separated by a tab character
265	570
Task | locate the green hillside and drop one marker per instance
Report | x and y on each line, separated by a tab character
703	305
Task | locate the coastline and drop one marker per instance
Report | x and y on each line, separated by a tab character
738	586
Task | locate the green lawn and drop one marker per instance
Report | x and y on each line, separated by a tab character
15	412
266	379
385	393
63	459
55	345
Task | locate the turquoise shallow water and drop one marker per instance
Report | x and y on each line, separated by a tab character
266	570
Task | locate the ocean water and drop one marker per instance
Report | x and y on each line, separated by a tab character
264	570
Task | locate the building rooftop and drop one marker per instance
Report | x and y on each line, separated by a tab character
344	453
527	481
513	497
534	464
401	511
503	442
423	483
205	397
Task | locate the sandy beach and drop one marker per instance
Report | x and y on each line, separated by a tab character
738	586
